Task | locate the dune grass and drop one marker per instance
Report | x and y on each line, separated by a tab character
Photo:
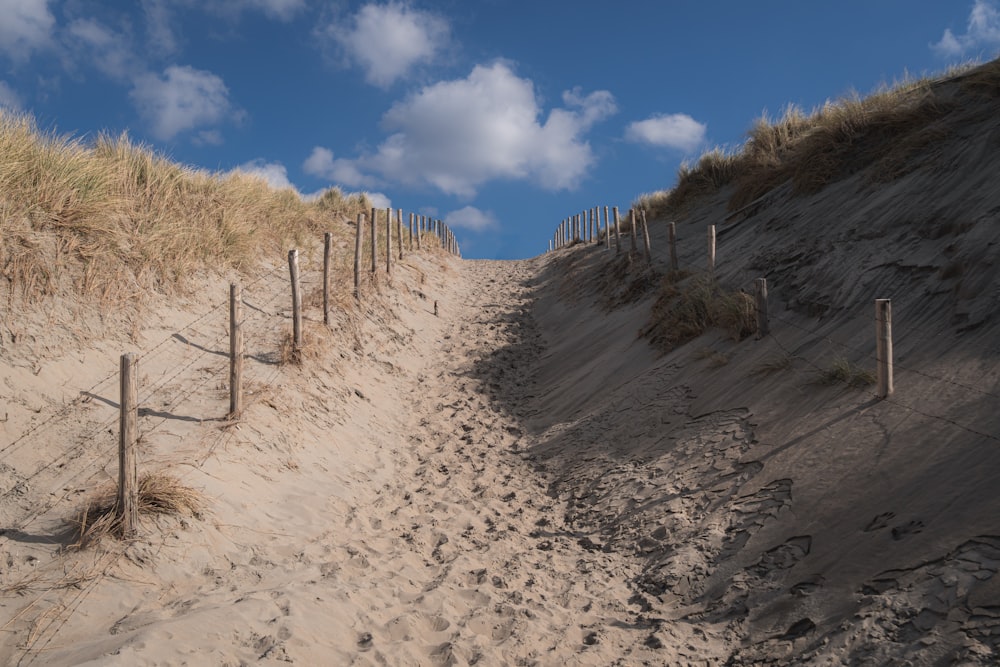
809	151
113	220
158	493
685	310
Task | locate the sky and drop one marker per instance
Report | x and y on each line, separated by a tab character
500	117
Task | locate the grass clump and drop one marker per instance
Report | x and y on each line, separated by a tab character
808	151
682	313
842	371
159	493
113	220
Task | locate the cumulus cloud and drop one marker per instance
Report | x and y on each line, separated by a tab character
274	173
26	26
678	131
387	41
322	164
471	218
8	98
457	135
378	199
982	30
110	52
182	99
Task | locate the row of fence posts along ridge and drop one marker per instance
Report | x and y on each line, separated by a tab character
422	230
585	227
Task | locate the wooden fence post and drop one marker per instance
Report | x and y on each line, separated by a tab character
711	250
632	222
293	270
618	241
374	235
235	351
399	231
760	298
420	229
645	237
357	256
327	253
607	229
411	232
127	506
883	346
388	241
674	266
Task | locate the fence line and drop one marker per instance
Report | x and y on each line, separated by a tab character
87	465
883	392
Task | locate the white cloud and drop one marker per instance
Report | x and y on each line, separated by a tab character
182	99
471	218
457	135
378	200
111	52
322	164
9	98
982	30
678	131
274	173
387	41
26	26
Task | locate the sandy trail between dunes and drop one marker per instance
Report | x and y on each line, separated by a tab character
415	529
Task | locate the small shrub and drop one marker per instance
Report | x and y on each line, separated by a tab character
842	371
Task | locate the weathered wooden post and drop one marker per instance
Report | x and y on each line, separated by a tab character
607	229
327	256
293	270
388	241
420	229
235	351
595	225
411	232
399	231
357	255
632	223
374	241
883	347
760	298
711	250
127	505
618	239
674	266
645	237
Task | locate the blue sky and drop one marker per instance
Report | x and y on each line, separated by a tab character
501	117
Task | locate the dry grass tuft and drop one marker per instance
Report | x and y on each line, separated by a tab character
681	314
159	493
842	371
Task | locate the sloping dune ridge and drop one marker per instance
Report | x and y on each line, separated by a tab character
510	463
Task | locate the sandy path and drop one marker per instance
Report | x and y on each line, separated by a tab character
385	508
493	576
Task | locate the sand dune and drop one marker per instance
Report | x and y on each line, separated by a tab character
525	479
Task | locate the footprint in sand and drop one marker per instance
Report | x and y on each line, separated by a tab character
908	528
880	521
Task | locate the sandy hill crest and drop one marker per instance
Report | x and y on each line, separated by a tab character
524	480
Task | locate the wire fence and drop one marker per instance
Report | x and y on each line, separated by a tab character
565	237
193	357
